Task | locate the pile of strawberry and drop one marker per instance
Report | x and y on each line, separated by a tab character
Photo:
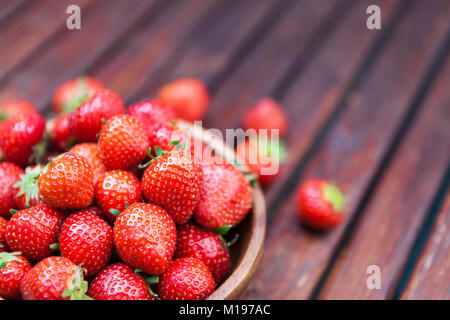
108	202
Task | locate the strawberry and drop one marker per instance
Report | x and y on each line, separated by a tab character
26	191
59	131
262	157
123	142
86	240
14	107
3	224
119	282
152	111
71	94
18	135
144	236
32	231
9	175
173	182
115	190
13	267
186	279
164	134
204	245
67	182
54	278
226	196
90	152
266	114
188	97
95	210
86	121
320	204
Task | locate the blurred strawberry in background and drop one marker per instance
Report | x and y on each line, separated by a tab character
266	114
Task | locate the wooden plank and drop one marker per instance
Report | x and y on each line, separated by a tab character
294	258
151	45
30	29
399	205
210	49
8	8
430	279
73	51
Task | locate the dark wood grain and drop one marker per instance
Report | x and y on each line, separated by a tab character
72	52
9	8
398	207
294	258
430	279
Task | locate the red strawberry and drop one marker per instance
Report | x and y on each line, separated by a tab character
18	135
207	246
320	204
115	190
262	157
59	130
145	235
26	191
71	94
188	97
266	114
9	175
67	182
123	142
32	231
186	279
226	196
152	111
54	278
174	182
13	268
86	240
3	224
95	210
119	282
90	152
14	107
86	120
164	134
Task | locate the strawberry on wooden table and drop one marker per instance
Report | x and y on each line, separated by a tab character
87	120
144	236
12	107
119	282
320	204
26	190
67	182
90	152
116	190
54	278
195	242
123	142
186	279
9	175
33	231
13	267
86	240
152	111
173	181
226	196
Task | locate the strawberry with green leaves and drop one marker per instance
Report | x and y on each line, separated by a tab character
33	231
320	204
90	152
144	236
86	240
173	181
123	142
13	267
54	278
186	279
9	175
119	282
116	190
14	107
226	196
26	190
164	135
67	182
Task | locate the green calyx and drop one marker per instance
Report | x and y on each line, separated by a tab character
81	96
77	287
334	196
28	185
6	257
114	212
222	231
54	246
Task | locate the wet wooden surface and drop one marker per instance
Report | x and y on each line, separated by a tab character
369	109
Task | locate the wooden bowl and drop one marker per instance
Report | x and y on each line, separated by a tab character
247	251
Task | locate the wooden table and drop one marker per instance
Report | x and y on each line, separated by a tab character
369	109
